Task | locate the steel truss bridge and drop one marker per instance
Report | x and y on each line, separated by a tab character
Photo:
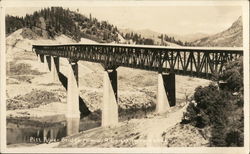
197	62
167	61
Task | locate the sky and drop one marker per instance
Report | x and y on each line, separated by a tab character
178	20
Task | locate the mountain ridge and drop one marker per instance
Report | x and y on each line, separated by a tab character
231	37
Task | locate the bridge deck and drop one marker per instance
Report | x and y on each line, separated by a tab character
233	49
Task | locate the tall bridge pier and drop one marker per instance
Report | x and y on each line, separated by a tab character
73	112
165	92
55	68
47	59
196	62
41	58
109	106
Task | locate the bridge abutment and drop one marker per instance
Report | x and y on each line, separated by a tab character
73	112
110	106
55	69
165	92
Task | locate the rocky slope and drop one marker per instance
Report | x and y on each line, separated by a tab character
232	37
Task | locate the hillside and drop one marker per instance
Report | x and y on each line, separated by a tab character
51	22
54	21
232	37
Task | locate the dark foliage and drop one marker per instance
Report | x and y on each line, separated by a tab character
32	100
173	40
220	108
57	20
138	39
233	76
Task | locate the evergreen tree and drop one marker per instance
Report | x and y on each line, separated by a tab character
63	21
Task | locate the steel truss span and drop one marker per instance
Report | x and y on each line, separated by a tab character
192	61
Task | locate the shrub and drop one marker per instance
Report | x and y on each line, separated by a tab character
32	100
220	108
233	75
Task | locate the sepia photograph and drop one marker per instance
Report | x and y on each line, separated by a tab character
126	75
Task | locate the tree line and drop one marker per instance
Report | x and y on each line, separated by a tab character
57	20
138	39
165	37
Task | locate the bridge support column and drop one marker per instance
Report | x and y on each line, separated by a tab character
55	69
73	112
45	67
110	107
40	59
48	60
166	92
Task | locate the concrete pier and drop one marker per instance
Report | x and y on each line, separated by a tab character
73	125
48	60
55	69
165	92
162	104
73	112
45	67
39	58
171	88
110	106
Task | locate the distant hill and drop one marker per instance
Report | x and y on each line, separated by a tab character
232	37
54	21
189	37
148	34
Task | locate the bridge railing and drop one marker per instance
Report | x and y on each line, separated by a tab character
199	62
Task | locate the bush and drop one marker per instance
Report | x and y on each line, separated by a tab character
233	76
32	100
209	101
220	108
